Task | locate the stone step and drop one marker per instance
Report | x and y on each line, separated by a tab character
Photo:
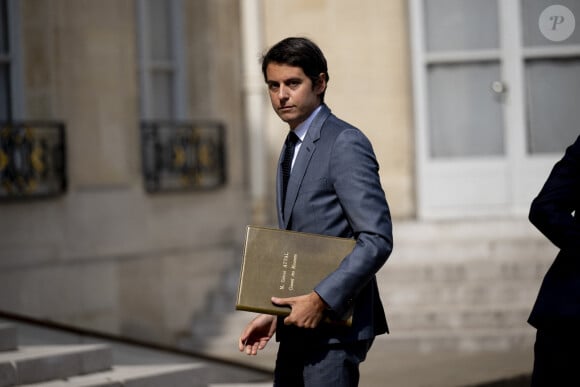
460	339
440	317
34	364
8	337
173	375
476	270
493	241
460	294
412	231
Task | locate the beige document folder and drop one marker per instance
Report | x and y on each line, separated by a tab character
284	263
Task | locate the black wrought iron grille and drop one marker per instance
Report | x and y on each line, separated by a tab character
32	159
182	156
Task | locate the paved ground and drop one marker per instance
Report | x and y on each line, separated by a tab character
390	367
385	366
442	369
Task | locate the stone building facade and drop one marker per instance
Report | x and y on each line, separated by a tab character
108	254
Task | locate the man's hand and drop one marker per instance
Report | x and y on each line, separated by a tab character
307	310
257	334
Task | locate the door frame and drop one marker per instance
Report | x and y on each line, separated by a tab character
477	186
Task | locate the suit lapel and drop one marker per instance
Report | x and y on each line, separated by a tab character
307	149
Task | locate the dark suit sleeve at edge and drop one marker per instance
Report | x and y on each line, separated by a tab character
551	211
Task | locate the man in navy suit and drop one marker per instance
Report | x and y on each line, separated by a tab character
333	189
556	313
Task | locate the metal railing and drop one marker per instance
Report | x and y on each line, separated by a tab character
32	159
182	156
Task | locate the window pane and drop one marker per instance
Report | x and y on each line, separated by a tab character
159	22
553	92
162	94
465	116
461	24
531	11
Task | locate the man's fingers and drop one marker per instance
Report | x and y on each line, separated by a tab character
252	348
255	348
282	301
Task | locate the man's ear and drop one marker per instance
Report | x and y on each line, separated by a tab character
320	86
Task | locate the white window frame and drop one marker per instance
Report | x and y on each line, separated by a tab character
521	173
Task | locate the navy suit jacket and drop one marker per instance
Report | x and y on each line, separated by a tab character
334	189
555	213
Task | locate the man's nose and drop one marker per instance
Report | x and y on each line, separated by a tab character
283	92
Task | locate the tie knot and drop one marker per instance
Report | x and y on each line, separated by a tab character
292	138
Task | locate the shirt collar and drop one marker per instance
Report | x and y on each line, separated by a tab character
302	129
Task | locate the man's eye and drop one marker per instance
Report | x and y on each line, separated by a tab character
273	87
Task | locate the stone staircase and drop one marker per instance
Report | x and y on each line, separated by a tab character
463	285
86	365
210	322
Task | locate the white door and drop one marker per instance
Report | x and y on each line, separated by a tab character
496	103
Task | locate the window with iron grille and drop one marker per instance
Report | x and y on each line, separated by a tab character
177	153
32	153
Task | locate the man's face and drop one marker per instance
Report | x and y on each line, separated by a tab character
291	92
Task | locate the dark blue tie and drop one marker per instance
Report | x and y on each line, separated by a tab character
290	143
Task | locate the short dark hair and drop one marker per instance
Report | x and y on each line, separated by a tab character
298	52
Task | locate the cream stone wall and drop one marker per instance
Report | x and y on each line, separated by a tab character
80	66
107	255
367	49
